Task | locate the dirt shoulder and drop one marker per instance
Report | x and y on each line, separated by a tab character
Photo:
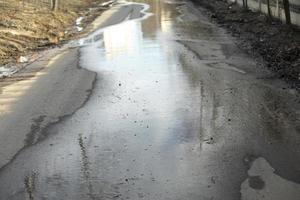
276	43
28	28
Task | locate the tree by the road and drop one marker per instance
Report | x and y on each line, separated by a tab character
286	5
269	9
245	4
54	5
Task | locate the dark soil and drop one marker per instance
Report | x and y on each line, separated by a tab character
276	43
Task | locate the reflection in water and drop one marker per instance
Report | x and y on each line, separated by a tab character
163	20
136	54
123	37
128	36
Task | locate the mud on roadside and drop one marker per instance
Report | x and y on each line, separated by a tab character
25	29
276	43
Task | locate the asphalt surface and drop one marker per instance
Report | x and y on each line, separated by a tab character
156	103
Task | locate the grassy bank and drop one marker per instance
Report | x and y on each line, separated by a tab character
26	26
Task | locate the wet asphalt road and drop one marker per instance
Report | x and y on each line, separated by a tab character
170	108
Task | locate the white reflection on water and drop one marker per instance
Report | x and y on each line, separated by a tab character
124	37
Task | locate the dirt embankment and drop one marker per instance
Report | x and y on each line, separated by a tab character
276	43
28	27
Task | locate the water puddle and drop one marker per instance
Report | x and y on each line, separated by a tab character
121	14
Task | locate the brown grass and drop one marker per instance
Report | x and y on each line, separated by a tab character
28	26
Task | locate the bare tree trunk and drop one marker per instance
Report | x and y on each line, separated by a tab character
269	9
286	5
259	3
54	5
277	8
245	4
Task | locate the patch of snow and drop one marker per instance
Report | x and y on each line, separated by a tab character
272	186
12	68
23	59
79	28
108	3
6	72
78	23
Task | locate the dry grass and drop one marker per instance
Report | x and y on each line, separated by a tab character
30	26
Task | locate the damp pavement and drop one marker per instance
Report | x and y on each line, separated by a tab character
156	103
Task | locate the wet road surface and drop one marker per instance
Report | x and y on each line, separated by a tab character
176	111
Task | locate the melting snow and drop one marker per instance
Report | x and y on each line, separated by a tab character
78	23
271	186
6	72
